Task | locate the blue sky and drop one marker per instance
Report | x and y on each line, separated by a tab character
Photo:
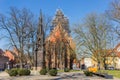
75	10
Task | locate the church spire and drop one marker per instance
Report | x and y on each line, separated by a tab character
59	13
40	48
40	25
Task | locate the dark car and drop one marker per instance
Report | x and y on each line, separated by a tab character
111	68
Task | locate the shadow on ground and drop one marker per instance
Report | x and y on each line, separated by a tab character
65	76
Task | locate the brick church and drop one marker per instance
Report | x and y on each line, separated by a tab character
59	45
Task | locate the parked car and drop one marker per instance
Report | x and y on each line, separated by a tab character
110	68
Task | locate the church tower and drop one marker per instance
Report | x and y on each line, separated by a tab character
60	18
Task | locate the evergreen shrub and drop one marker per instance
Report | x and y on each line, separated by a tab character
22	72
88	73
12	72
43	71
53	72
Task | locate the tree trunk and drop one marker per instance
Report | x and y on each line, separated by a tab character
65	56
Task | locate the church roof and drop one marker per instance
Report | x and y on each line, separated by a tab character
117	50
10	54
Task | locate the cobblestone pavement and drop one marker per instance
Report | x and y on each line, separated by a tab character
60	76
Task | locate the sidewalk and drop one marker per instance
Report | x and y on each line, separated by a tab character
61	76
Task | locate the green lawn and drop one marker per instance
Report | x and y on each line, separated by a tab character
115	73
70	71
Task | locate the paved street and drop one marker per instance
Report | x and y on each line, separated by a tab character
60	76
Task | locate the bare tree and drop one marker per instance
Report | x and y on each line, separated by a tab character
114	14
92	37
19	27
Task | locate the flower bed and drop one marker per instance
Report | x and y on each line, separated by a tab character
91	69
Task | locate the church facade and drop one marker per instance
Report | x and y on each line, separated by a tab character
60	47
